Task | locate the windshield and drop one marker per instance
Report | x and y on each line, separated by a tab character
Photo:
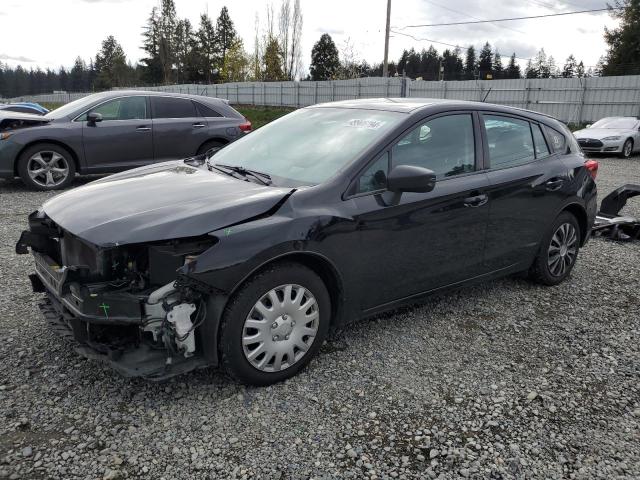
616	123
71	107
309	146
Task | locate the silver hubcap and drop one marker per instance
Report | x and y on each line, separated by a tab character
563	249
627	149
280	328
48	169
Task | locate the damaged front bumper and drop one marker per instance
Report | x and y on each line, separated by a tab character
112	304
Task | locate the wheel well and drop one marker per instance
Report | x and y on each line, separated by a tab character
321	267
221	140
581	215
73	154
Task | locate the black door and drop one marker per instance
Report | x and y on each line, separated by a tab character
178	129
416	242
526	189
123	139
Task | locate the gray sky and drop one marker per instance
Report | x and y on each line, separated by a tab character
49	33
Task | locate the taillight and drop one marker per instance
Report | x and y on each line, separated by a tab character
246	126
592	168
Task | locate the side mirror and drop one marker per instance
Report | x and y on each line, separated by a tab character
94	117
410	178
588	125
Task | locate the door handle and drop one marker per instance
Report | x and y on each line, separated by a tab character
554	184
199	125
476	201
143	129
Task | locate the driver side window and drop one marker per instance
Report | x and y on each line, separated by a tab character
444	145
127	108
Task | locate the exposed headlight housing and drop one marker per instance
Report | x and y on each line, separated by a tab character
611	138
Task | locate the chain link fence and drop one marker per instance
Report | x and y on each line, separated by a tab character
572	100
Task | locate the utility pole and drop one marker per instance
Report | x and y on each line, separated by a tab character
385	64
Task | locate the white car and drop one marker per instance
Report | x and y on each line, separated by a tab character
619	135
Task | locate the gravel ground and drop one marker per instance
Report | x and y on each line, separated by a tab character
504	380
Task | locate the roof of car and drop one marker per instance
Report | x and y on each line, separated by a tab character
120	93
410	105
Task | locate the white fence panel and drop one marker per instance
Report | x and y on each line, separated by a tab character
574	100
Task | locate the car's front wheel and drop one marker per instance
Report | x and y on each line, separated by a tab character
558	251
627	148
46	166
275	324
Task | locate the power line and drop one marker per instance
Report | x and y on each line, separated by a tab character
438	42
508	19
470	16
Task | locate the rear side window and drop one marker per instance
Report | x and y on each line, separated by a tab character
206	111
510	141
542	150
558	140
170	107
444	145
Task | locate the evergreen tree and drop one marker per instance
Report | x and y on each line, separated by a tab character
273	61
167	38
111	64
452	63
485	61
430	64
623	56
402	63
580	70
151	66
184	54
513	69
208	48
570	67
225	36
77	76
498	68
325	63
470	64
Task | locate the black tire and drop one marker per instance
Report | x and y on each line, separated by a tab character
241	306
55	164
541	271
205	147
627	148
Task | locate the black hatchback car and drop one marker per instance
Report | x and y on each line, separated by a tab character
247	257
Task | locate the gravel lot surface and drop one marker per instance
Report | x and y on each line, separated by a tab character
504	380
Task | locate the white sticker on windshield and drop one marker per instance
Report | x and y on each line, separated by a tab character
363	123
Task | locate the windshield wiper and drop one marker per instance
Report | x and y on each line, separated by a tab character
263	178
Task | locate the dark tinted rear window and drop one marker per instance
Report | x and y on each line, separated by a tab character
169	107
206	111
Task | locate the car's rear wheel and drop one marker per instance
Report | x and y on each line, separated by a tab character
627	148
275	324
46	166
558	251
211	145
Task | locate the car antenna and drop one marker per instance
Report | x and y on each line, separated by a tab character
488	92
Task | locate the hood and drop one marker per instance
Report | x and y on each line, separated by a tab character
16	119
600	133
159	202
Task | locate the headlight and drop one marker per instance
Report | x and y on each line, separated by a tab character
611	138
